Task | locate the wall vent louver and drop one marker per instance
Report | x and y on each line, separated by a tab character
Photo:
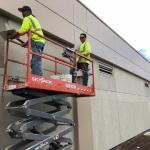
106	68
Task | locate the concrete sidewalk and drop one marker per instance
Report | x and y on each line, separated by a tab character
139	142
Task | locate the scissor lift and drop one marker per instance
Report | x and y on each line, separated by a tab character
41	129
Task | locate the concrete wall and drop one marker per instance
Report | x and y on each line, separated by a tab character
120	109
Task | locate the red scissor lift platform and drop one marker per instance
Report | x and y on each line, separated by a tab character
44	82
39	90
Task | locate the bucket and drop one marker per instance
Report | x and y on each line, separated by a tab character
55	77
66	77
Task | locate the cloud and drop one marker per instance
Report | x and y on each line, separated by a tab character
145	53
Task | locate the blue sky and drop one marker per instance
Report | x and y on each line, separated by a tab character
129	18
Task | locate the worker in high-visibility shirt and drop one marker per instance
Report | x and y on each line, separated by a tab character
83	63
37	42
85	50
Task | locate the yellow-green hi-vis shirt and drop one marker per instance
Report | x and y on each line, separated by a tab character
32	23
85	50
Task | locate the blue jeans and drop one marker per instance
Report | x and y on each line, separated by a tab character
36	61
84	68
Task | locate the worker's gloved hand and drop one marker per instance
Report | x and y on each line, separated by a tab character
77	51
12	35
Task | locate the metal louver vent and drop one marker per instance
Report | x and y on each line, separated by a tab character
147	84
106	68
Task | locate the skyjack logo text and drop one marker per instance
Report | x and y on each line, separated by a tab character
70	86
41	80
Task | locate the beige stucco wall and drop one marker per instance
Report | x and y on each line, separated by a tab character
120	109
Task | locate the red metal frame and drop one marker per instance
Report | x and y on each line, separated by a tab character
43	82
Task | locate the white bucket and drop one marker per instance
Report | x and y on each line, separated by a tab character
79	73
66	77
55	77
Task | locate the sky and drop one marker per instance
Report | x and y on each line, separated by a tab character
129	18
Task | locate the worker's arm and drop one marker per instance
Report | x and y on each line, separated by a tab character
26	25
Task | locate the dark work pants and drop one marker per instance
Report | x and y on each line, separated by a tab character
84	68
